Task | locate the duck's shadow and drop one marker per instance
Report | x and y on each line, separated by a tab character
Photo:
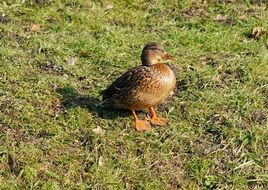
71	98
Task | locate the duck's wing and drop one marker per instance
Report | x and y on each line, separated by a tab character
126	82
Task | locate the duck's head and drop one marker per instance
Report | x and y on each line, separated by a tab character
153	53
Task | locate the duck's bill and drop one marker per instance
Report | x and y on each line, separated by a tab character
169	57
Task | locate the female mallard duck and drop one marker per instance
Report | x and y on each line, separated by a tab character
143	87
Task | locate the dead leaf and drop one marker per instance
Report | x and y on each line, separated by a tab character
243	18
35	28
4	18
72	61
256	32
224	19
83	54
99	131
65	75
221	17
101	161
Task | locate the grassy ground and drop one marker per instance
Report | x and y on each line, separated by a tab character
57	56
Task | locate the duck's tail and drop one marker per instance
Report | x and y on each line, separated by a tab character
102	104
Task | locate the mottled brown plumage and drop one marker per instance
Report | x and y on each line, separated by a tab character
143	87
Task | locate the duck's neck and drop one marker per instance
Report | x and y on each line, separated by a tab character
149	62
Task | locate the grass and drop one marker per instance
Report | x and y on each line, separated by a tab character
51	135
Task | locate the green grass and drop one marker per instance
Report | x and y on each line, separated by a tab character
52	136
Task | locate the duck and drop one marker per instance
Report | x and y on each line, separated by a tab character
143	87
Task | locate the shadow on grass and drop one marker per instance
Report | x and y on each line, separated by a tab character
72	98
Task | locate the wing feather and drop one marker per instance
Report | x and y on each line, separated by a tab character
125	82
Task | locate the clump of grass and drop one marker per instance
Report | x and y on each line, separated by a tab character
52	136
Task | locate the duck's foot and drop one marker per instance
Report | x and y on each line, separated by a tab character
157	120
142	125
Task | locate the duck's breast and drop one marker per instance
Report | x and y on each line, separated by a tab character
159	83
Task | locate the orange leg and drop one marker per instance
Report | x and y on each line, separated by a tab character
140	125
156	120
